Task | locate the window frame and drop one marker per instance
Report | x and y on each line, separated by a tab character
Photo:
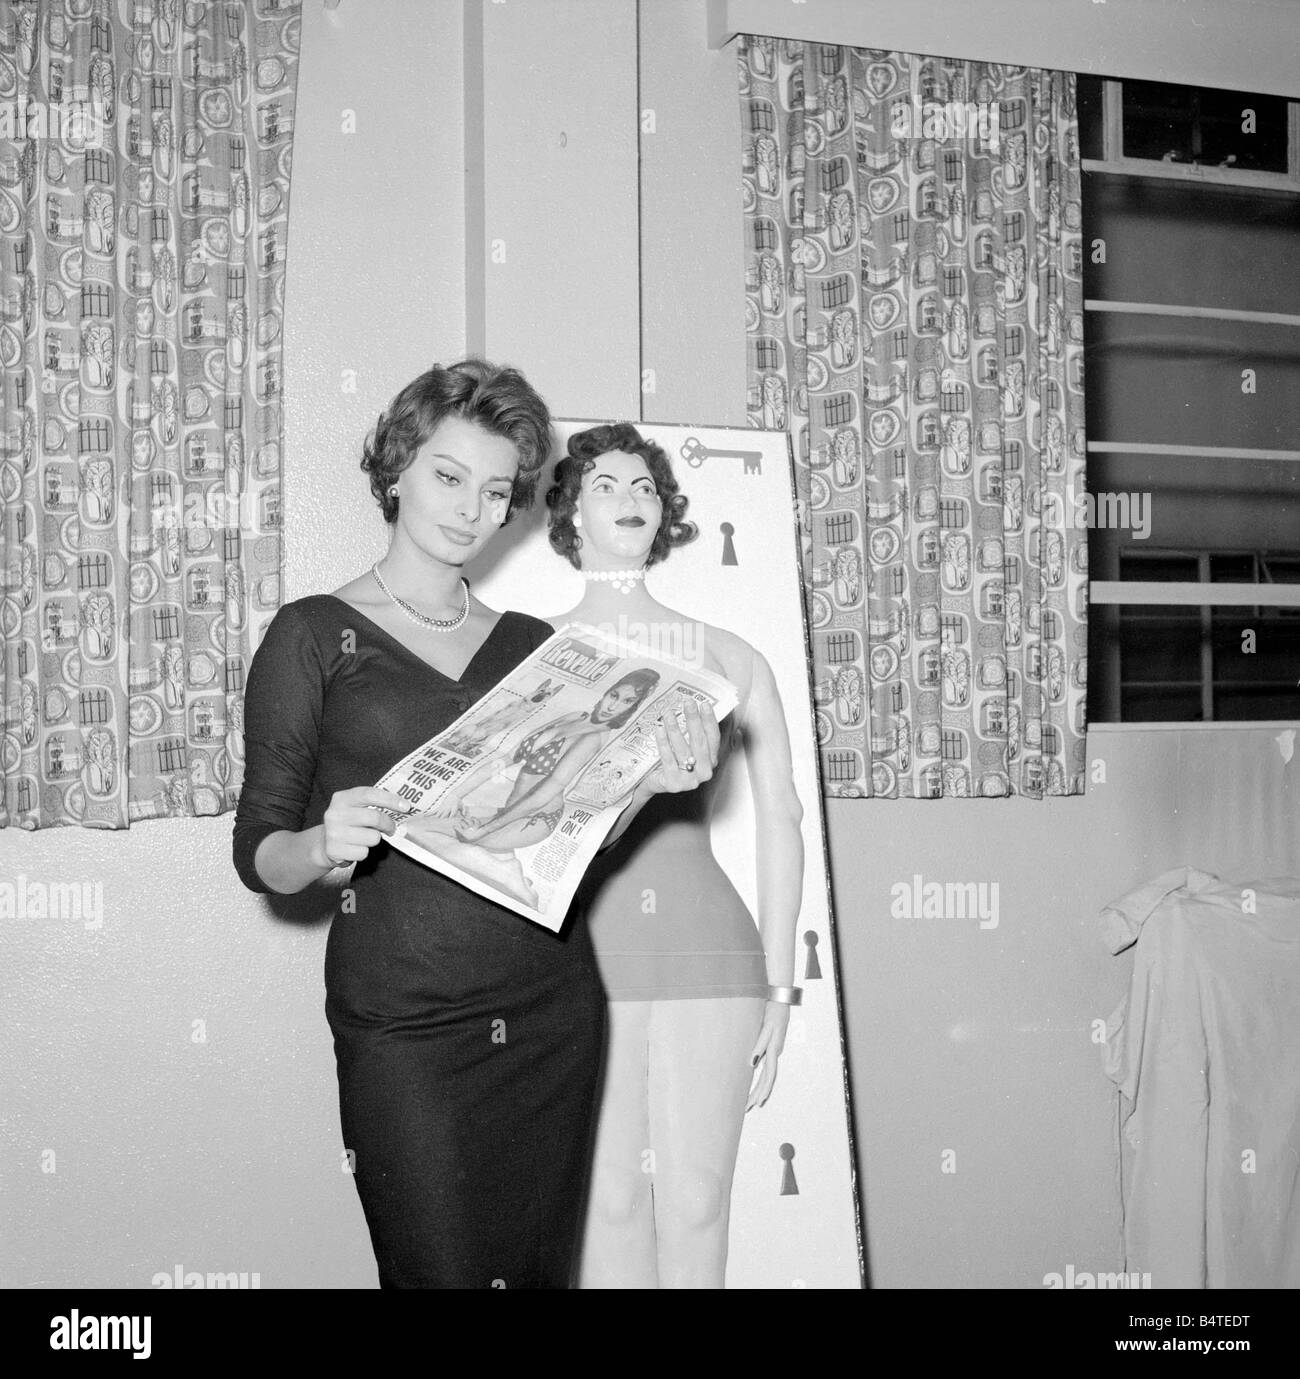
1114	159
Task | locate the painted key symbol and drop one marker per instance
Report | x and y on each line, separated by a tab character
695	452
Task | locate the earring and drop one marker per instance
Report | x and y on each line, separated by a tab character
577	520
392	491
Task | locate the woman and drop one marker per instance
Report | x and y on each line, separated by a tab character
467	1038
699	996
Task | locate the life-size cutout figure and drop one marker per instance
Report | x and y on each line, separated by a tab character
468	1039
699	995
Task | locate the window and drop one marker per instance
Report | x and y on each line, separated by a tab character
1198	664
1186	133
1182	124
1193	475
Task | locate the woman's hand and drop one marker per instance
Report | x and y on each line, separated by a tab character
354	822
686	759
767	1051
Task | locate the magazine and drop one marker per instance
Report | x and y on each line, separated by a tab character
515	798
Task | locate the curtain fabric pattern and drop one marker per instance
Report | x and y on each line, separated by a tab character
914	318
144	175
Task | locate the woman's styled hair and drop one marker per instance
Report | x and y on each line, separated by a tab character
585	447
643	680
496	397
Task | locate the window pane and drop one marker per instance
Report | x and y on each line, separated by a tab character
1189	124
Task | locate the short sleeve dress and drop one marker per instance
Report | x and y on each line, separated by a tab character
468	1039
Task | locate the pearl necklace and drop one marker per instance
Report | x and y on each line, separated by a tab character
438	624
622	580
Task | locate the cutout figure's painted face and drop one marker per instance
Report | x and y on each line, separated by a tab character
621	513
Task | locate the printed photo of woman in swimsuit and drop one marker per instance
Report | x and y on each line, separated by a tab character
549	760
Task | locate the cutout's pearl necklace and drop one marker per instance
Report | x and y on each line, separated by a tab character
622	580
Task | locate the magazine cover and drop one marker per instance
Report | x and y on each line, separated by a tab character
516	797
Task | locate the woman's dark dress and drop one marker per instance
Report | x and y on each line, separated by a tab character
468	1039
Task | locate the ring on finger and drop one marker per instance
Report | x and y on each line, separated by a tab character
688	764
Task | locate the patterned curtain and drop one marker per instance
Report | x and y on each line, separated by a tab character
144	176
914	316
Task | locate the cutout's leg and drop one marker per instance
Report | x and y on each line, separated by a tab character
618	1247
699	1082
